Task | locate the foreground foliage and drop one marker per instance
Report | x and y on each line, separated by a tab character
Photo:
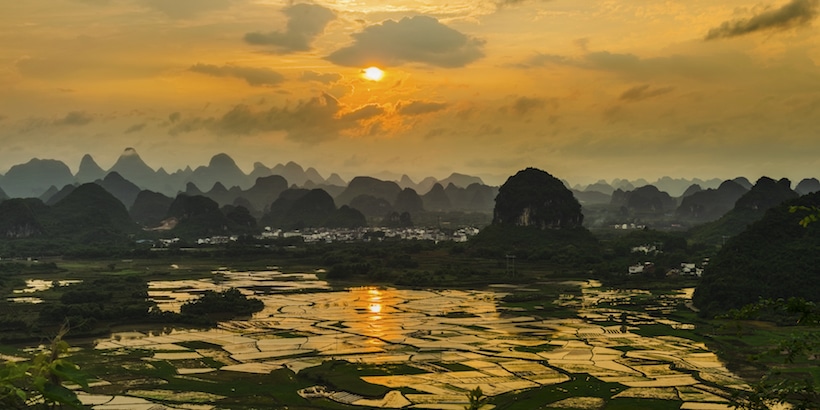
39	384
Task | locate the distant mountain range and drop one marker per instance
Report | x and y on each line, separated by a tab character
147	193
40	176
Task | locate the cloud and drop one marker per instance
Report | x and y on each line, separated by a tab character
363	113
523	105
182	9
418	39
174	116
793	14
699	67
74	118
305	23
310	121
252	75
418	107
506	3
642	92
135	128
324	78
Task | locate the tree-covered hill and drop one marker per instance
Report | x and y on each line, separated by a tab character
765	194
775	257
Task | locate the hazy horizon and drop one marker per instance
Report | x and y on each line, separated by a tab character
585	91
493	180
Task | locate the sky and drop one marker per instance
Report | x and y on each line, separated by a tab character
585	90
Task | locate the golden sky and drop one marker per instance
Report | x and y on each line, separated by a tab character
586	90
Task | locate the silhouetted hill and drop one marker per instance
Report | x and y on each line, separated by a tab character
300	208
591	197
408	201
3	195
265	191
150	208
346	217
711	204
335	179
645	200
436	199
122	189
89	214
32	179
600	186
807	186
405	182
742	181
311	174
774	258
131	167
292	172
387	190
240	219
60	194
332	190
20	218
426	185
535	198
371	207
622	184
222	169
197	216
675	186
50	192
222	195
694	188
536	217
89	171
750	207
461	180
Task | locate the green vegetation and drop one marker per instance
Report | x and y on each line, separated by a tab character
775	257
229	303
39	383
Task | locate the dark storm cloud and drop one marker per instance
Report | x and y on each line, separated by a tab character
181	9
74	118
305	22
309	121
793	14
642	92
324	78
419	107
135	128
252	75
419	39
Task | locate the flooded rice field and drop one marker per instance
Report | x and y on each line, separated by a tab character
439	345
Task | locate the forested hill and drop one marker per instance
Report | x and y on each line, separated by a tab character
775	257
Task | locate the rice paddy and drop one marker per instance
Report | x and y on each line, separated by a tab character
369	347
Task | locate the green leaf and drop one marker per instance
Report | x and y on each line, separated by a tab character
70	372
62	395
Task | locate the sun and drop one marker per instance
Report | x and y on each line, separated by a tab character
373	73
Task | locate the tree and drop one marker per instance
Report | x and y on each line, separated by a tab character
476	398
39	384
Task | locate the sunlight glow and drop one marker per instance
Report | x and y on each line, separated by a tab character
373	73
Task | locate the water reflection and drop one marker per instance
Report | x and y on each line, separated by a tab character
429	328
